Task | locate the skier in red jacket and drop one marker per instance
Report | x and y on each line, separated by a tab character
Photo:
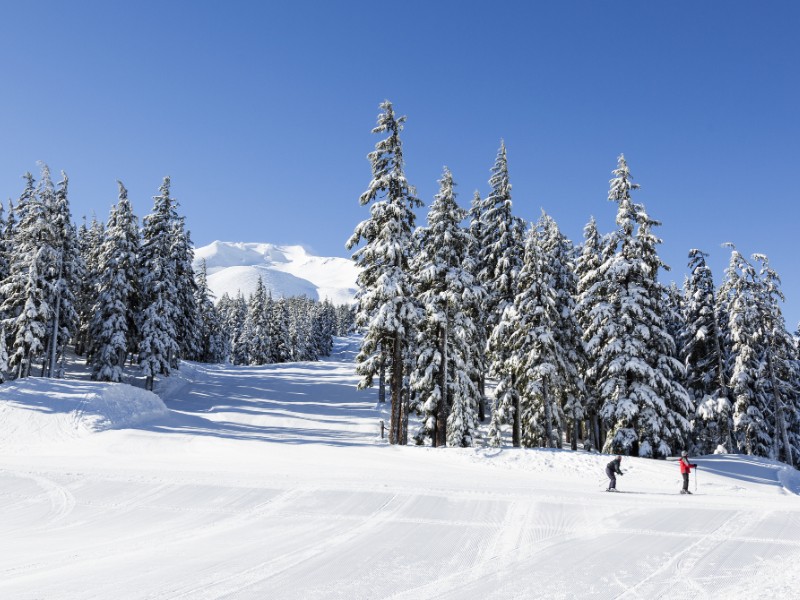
686	468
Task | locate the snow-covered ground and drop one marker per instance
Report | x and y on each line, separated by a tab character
273	482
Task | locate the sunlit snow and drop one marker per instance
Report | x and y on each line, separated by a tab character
285	270
273	482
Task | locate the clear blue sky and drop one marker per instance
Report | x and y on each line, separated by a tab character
261	112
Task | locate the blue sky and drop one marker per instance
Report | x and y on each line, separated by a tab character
261	112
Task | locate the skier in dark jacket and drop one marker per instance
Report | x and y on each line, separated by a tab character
612	469
686	468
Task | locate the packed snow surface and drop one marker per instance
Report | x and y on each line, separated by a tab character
285	270
273	482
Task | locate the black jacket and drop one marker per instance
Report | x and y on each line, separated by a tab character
613	466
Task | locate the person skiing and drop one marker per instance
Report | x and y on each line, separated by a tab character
686	468
612	469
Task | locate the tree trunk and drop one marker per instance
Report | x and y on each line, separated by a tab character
481	397
516	435
780	423
575	433
44	357
441	410
56	318
404	420
548	418
726	433
396	390
382	377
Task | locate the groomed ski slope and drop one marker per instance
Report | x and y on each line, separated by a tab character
272	482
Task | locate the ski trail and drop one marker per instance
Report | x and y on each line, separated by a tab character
681	563
238	582
60	499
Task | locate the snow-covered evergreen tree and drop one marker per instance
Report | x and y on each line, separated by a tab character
534	360
113	325
187	316
386	310
589	308
212	345
157	275
66	278
30	325
560	254
236	323
25	291
704	360
259	345
279	330
478	312
780	367
446	393
499	260
740	295
90	242
633	357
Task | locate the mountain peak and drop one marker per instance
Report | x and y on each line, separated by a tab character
285	270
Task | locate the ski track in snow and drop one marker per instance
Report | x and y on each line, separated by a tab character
272	482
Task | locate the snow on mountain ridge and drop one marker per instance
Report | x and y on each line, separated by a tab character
285	270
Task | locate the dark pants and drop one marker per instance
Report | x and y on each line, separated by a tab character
685	482
612	484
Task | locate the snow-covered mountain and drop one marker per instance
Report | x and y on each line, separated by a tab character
285	270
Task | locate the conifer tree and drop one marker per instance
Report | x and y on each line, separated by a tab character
237	321
212	347
66	277
25	291
447	395
157	274
559	252
588	308
187	317
113	325
704	360
779	365
637	374
259	326
534	359
499	260
279	332
740	295
479	316
90	241
385	308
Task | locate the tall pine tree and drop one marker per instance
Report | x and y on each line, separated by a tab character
386	310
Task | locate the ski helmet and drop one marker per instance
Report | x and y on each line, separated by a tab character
684	453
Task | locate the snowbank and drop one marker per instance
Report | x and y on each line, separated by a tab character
36	410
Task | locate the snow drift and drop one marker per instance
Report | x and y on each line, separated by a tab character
38	411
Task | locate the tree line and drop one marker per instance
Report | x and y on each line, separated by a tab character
581	343
123	294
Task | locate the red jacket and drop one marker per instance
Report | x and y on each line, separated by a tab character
686	466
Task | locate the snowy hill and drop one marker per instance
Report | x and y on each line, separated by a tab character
285	270
273	482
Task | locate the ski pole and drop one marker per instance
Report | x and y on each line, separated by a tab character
695	479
